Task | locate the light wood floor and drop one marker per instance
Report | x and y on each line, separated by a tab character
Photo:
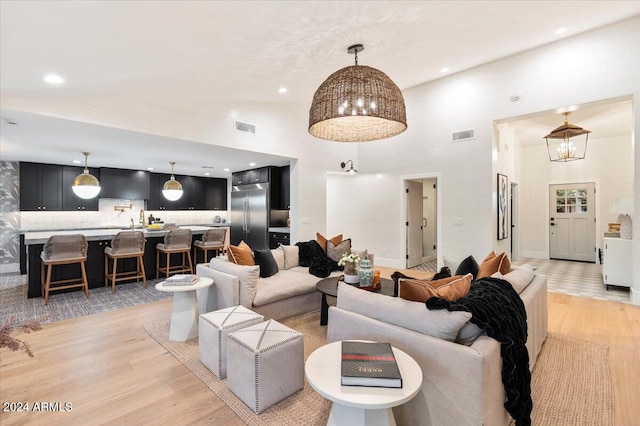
111	371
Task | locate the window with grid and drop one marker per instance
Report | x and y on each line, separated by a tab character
571	200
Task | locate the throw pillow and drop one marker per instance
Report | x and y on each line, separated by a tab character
335	251
291	258
468	266
518	278
440	323
241	254
494	263
445	272
322	240
264	259
247	278
450	289
309	250
278	255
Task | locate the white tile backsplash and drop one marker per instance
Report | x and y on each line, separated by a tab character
107	216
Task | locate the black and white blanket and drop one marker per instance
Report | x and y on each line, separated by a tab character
497	308
311	254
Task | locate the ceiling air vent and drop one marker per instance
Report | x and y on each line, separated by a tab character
463	135
239	126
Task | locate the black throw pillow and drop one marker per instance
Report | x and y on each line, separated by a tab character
468	266
445	272
264	259
309	250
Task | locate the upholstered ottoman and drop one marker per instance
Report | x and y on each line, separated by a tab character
265	364
213	329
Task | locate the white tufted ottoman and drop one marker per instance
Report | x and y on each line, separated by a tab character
213	329
265	364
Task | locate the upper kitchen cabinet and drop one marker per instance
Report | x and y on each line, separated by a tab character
40	187
125	184
194	189
260	175
280	188
216	194
70	201
156	200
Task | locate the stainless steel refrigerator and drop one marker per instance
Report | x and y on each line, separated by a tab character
250	215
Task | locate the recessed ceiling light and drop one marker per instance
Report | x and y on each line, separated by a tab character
226	170
282	90
207	174
77	162
150	169
561	30
444	70
252	164
53	79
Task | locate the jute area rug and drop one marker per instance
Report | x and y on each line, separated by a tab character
571	382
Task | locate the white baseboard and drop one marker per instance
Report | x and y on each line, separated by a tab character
634	296
389	263
534	254
10	268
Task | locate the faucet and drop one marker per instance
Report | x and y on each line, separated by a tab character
131	226
142	220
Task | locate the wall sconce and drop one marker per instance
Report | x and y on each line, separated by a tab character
351	170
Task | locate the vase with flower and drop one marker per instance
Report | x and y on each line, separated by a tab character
350	263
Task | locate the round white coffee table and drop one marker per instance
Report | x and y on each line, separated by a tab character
359	405
184	316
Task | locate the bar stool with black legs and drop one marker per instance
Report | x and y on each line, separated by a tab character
125	245
176	241
63	250
212	239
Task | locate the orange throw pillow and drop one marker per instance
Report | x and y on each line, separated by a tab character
420	291
494	263
322	240
241	254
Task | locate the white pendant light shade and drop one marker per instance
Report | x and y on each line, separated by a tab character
172	189
86	185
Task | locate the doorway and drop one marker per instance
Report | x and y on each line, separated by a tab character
421	223
572	221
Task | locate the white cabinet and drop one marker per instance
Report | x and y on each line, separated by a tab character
616	262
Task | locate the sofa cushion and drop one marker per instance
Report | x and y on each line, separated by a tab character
264	259
241	254
285	284
468	266
291	258
322	240
335	251
278	255
519	278
494	263
451	288
247	276
415	316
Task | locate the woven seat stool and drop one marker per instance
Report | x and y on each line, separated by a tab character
176	241
265	364
213	328
212	240
63	250
125	245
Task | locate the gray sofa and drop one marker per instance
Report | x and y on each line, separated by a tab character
462	384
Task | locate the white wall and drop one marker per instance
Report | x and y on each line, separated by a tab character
608	163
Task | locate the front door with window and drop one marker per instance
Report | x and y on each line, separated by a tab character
572	222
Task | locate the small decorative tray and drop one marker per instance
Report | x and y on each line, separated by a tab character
374	287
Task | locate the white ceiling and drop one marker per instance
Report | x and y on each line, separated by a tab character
200	52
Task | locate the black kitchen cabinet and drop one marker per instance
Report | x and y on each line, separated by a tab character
156	200
125	184
246	177
216	194
70	201
280	188
194	195
40	187
277	238
241	178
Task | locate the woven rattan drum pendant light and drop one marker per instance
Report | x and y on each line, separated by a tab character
357	104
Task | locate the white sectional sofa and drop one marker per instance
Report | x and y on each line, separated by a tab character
290	292
462	385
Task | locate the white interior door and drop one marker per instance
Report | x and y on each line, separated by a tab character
413	190
515	251
429	219
572	221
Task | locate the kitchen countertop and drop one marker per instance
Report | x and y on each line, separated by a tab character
40	237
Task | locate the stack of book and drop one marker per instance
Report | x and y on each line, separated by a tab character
369	364
181	279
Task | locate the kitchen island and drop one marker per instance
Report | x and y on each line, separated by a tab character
97	240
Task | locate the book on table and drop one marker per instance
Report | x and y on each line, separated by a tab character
181	279
369	364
